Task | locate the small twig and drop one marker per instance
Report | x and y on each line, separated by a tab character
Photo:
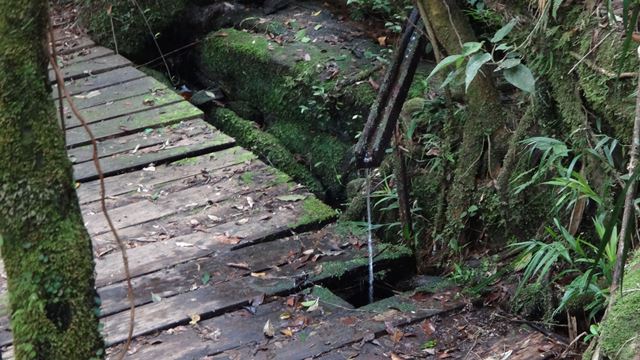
113	28
54	55
153	36
196	42
589	52
453	25
566	351
605	72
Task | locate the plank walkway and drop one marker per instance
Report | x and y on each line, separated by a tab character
210	228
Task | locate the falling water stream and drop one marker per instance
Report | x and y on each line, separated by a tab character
369	231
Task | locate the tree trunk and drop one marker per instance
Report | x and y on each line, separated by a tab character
485	116
46	249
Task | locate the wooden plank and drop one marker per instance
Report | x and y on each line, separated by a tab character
91	67
145	85
83	55
212	260
147	182
243	228
99	81
71	45
158	154
132	105
209	301
202	192
129	124
169	135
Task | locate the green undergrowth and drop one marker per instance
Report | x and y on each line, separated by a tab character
620	330
265	145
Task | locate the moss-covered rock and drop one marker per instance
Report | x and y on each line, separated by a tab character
303	89
620	331
265	145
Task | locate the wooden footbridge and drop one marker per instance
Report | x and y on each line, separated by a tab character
217	240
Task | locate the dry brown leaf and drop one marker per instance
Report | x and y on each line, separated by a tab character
268	329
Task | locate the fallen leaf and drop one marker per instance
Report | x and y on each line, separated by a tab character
155	298
242	221
260	275
268	329
428	327
183	244
195	318
257	300
250	202
287	332
382	40
388	315
226	239
285	315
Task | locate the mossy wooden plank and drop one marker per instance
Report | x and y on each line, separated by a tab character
334	330
99	81
73	44
84	55
145	85
154	256
177	134
167	201
132	105
176	172
157	154
91	67
208	301
125	125
269	218
214	256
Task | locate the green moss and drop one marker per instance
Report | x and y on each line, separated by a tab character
158	75
315	211
324	153
619	331
247	177
394	302
45	248
335	269
265	146
328	298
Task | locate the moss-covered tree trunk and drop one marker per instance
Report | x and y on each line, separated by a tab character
46	249
485	121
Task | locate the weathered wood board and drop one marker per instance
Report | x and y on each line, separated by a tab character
99	81
90	67
128	106
141	86
128	124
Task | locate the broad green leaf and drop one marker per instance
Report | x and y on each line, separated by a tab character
521	77
504	31
473	66
471	48
508	63
444	63
504	47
